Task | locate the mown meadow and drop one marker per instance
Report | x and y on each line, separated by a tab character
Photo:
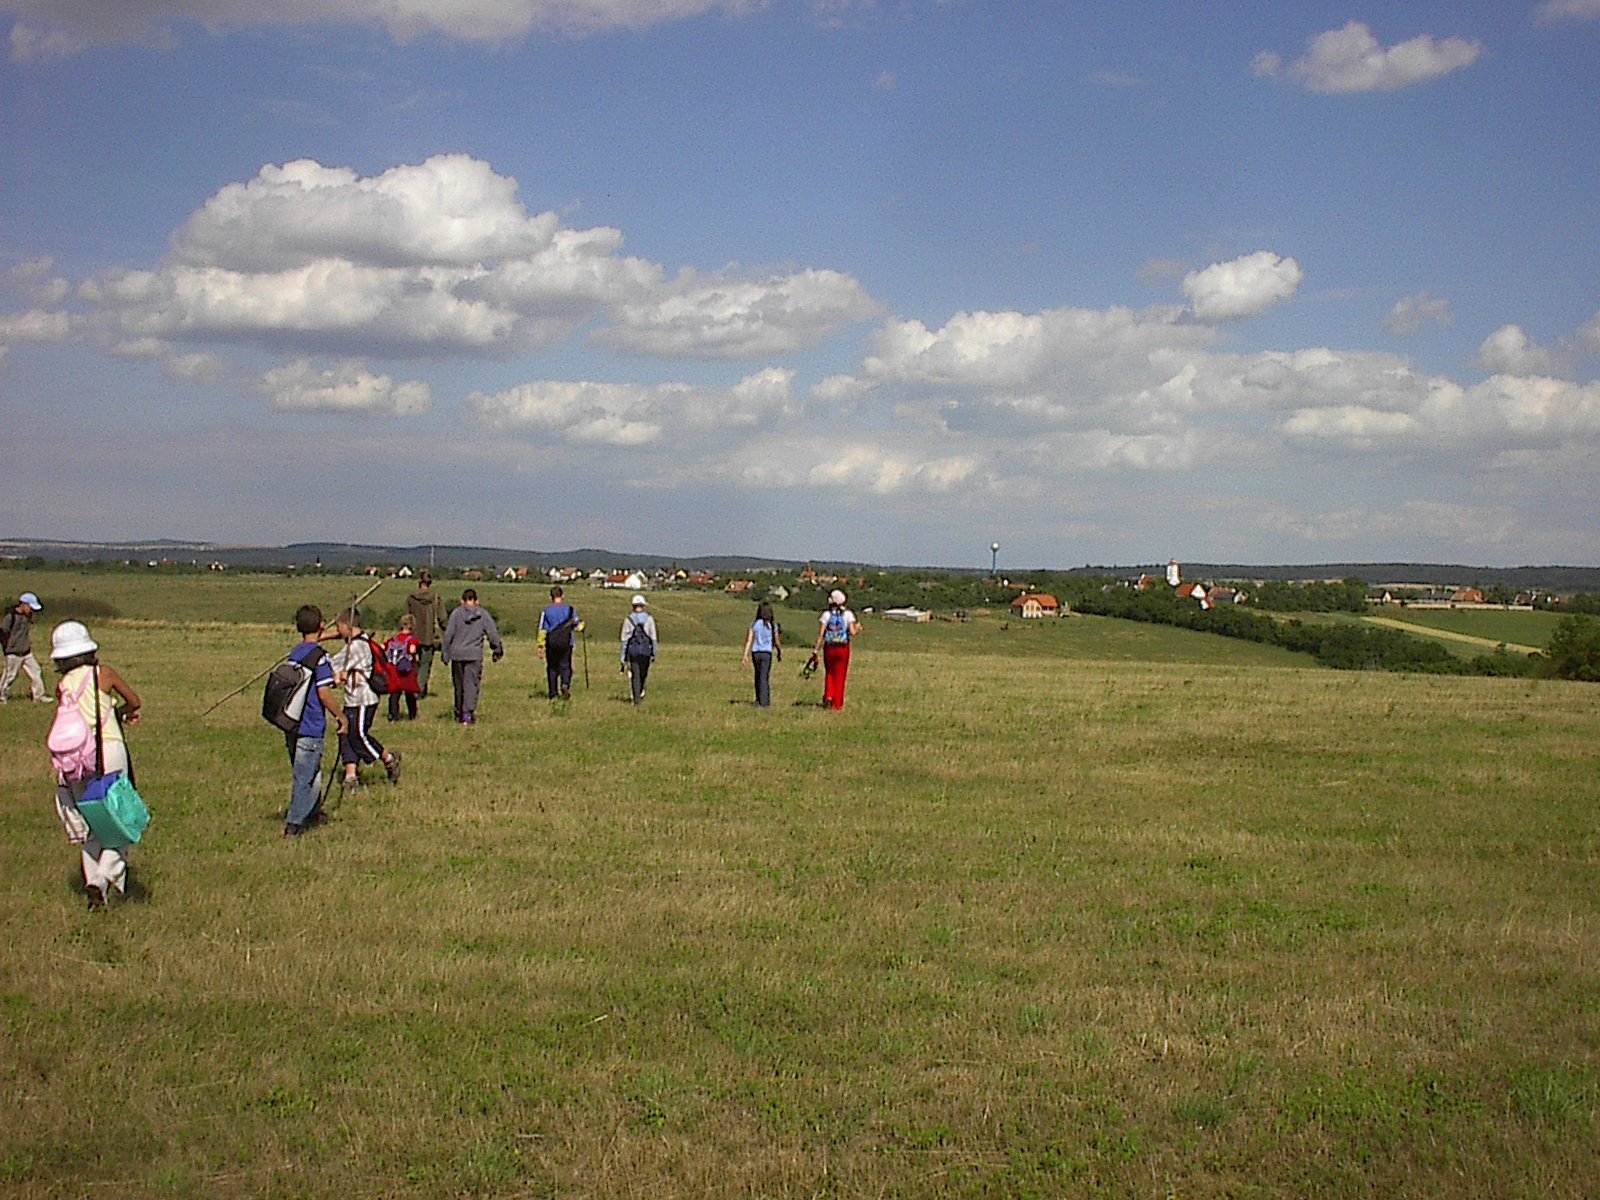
1077	907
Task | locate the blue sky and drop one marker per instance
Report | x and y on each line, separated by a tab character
831	279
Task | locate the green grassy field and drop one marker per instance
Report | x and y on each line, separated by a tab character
1056	909
1487	626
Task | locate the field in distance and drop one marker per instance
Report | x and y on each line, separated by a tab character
1474	629
1062	908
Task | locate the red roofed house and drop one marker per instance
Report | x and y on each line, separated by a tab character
1035	606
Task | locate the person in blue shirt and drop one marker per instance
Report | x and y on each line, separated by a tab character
305	743
760	644
557	627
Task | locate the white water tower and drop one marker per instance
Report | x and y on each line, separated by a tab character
1174	573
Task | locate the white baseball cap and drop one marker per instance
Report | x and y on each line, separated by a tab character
640	602
30	600
836	597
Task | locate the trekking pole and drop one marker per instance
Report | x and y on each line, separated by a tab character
276	661
240	688
327	788
586	660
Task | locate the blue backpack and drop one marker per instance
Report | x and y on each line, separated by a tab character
837	631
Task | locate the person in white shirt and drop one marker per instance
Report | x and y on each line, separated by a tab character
836	628
638	646
352	670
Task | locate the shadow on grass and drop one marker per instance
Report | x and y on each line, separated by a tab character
136	893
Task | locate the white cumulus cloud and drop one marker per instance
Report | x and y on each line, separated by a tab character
346	387
1510	351
35	325
1498	416
1409	315
872	469
1243	287
1589	335
57	28
36	281
619	414
1351	59
441	257
450	211
714	317
1564	10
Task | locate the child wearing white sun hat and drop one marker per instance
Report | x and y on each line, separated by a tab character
106	702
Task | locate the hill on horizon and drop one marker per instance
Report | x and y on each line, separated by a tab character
345	555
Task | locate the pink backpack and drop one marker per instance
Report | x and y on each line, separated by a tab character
74	748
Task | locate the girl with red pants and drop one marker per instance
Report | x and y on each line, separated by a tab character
835	630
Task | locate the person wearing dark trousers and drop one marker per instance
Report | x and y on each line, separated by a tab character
557	626
401	652
638	646
761	643
353	668
425	607
466	631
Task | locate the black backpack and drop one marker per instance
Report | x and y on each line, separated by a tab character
560	638
283	702
639	643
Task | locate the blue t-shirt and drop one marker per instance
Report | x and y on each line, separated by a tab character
557	614
761	639
314	720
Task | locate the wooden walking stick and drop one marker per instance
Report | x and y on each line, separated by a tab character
259	674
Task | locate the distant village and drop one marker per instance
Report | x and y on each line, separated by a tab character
1024	601
896	594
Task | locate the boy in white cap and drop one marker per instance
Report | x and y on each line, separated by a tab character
16	632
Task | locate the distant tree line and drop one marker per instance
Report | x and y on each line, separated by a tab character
1344	595
1345	647
1583	602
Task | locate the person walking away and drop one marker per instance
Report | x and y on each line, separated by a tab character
401	653
465	632
761	643
106	702
353	668
425	607
836	628
638	646
16	634
558	625
305	741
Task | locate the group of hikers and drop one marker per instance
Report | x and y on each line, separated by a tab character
309	691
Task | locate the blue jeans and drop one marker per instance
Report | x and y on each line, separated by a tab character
305	755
